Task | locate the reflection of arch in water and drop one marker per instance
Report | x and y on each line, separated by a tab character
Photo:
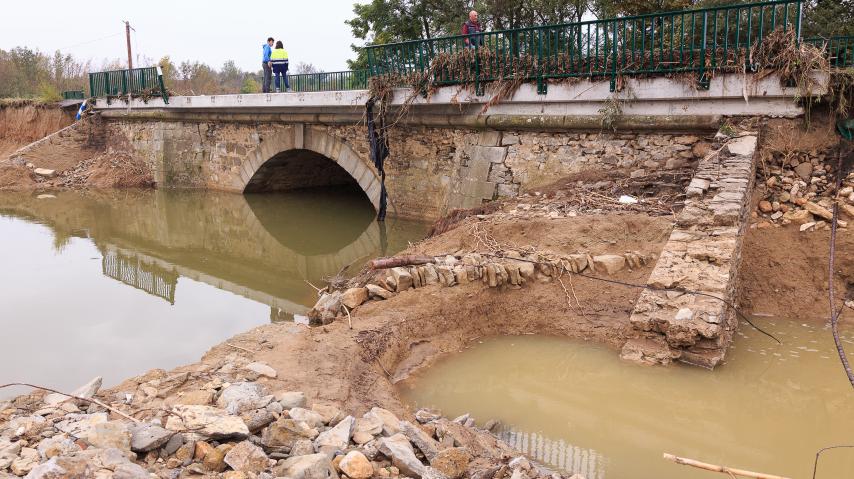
300	157
556	453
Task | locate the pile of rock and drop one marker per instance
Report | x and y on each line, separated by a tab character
799	191
240	430
511	270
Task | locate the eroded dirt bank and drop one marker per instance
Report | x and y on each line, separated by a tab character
42	148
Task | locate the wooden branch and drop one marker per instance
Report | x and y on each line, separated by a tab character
71	396
395	261
723	469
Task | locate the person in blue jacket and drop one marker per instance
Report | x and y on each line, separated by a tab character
267	65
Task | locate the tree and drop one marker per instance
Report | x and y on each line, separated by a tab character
303	67
250	85
828	18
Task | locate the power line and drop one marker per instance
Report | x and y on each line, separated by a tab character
90	41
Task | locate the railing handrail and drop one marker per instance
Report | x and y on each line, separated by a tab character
360	70
837	37
591	22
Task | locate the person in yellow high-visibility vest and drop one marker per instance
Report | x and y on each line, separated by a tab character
279	60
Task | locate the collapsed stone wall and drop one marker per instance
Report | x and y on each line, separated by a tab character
430	171
703	254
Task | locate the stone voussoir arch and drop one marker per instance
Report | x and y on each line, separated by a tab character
301	137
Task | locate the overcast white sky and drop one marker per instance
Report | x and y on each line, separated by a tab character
211	31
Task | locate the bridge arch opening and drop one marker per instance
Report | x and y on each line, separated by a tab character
301	157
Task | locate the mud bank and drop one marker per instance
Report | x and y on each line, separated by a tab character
42	148
25	123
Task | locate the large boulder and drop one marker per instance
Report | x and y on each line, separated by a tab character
86	391
247	457
337	437
399	450
208	422
356	466
240	397
311	466
147	437
285	432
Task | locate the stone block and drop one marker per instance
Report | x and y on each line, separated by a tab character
489	138
492	154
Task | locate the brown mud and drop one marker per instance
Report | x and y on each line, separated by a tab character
356	368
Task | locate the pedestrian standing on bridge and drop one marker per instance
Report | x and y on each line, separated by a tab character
279	59
267	65
473	31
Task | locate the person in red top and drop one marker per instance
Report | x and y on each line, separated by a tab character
473	31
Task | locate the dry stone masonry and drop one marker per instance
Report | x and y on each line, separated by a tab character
431	170
702	254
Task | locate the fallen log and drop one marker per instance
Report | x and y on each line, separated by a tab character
723	469
396	261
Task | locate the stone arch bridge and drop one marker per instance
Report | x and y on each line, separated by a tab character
446	151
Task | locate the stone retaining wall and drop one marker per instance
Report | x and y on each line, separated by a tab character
703	254
430	171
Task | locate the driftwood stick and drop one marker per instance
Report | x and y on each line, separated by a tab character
723	469
89	400
395	261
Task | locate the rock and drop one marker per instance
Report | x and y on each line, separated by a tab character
291	399
8	452
247	457
27	459
684	314
337	437
424	416
398	449
391	424
806	226
44	172
804	170
765	206
262	369
818	210
240	397
360	437
81	425
172	445
147	437
312	418
199	398
302	447
402	278
638	173
330	414
87	391
611	263
354	297
378	292
326	308
285	432
452	461
214	460
428	446
207	421
311	466
744	145
356	466
368	424
258	419
112	434
798	216
62	468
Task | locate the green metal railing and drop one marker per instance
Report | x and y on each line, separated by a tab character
697	41
329	81
73	95
136	82
839	50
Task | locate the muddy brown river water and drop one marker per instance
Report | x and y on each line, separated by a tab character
577	407
116	283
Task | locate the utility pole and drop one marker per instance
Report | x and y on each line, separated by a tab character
127	33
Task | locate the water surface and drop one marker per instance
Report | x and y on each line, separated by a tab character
579	408
116	283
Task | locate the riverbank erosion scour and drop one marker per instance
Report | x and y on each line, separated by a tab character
446	151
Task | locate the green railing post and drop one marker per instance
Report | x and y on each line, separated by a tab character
703	82
613	86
